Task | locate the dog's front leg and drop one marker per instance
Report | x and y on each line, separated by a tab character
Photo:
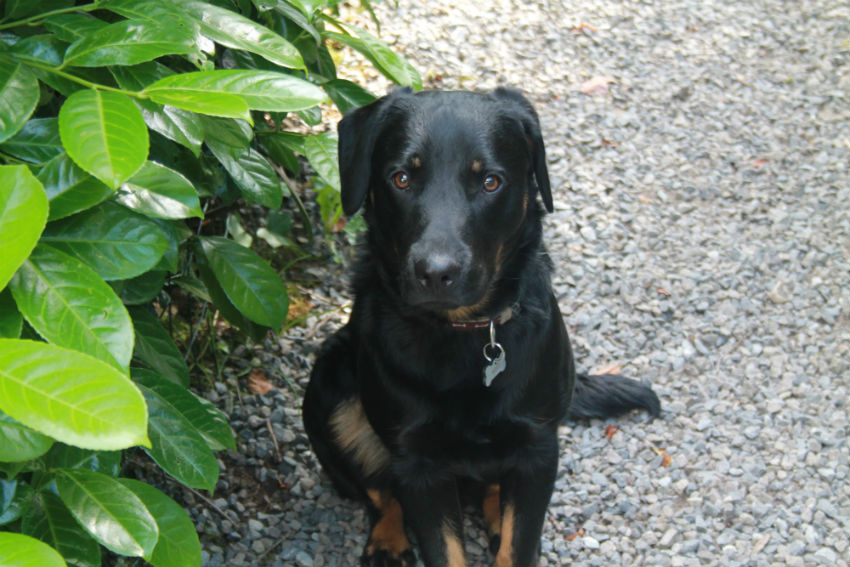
434	514
524	495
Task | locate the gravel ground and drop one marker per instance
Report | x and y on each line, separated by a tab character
702	242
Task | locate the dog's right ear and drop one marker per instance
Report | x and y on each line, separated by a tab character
358	131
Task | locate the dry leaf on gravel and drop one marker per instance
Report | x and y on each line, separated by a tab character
597	85
583	26
610	430
258	384
615	369
573	536
666	459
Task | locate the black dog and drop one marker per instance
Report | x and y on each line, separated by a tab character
450	379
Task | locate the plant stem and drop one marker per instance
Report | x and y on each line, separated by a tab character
334	22
7	158
38	17
79	80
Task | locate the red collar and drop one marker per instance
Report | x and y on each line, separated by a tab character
483	322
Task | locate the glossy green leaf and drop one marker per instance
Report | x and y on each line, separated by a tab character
158	191
238	32
249	282
219	103
70	396
129	42
176	446
62	456
227	133
152	11
260	90
312	116
109	511
23	213
156	348
72	26
280	153
105	134
293	12
69	188
25	551
37	142
11	319
15	497
347	95
178	543
174	232
71	306
223	304
48	520
141	289
18	96
291	140
176	124
252	172
236	231
44	48
207	420
20	443
321	151
16	9
389	63
193	286
114	241
309	7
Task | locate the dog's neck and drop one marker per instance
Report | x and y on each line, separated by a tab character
480	322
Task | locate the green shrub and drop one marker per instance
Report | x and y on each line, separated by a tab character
121	122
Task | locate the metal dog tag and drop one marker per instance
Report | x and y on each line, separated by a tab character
495	366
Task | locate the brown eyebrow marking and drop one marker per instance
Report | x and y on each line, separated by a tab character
477	165
417	161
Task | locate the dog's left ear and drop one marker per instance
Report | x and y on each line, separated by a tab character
531	125
358	131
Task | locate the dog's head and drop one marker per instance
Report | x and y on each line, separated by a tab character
449	181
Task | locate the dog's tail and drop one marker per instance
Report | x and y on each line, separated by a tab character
608	395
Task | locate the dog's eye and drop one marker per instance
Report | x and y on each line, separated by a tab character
401	180
492	183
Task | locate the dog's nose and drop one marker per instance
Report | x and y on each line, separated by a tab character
436	272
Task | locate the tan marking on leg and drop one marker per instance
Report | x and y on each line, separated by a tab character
353	433
492	514
375	497
504	558
388	533
454	547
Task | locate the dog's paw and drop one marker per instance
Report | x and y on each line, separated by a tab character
374	556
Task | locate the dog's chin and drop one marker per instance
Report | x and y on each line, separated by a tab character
444	303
